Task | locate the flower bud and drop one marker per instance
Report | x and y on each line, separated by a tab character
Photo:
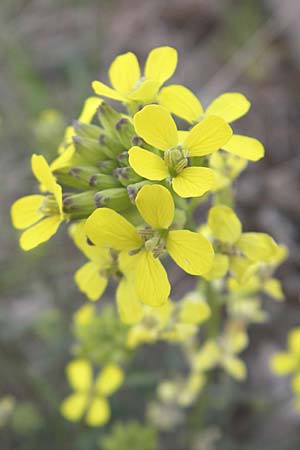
110	146
87	130
79	206
134	188
116	199
101	181
89	149
125	131
76	177
108	118
126	175
107	166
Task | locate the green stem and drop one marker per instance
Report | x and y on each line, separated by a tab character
212	297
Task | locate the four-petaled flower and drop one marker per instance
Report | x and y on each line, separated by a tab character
142	247
40	215
157	127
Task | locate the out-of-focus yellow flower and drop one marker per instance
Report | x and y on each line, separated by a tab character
157	127
191	251
90	396
39	215
128	86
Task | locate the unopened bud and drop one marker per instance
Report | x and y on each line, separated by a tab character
126	175
76	177
89	149
123	159
79	206
87	130
134	188
101	181
125	131
107	166
108	117
116	199
110	146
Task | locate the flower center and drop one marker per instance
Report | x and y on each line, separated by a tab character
176	159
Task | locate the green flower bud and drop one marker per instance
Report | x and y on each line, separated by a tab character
116	199
125	131
107	166
101	181
126	175
110	146
79	206
123	159
89	149
134	188
76	177
108	118
87	130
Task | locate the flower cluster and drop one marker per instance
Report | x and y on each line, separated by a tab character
127	182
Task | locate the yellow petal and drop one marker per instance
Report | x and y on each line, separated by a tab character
124	72
273	287
145	92
64	159
89	280
129	307
73	407
105	91
156	205
106	228
207	357
25	211
79	373
180	101
193	181
109	380
84	315
89	109
207	136
98	413
57	192
100	256
283	363
39	233
235	367
191	251
194	310
156	126
147	164
257	246
224	224
42	172
161	64
151	280
219	268
230	106
245	147
294	341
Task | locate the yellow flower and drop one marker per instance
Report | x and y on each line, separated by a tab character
90	397
230	106
156	126
288	362
125	76
40	215
191	251
247	250
92	277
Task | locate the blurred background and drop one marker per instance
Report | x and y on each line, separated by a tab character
50	51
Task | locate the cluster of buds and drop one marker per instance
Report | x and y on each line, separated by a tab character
127	181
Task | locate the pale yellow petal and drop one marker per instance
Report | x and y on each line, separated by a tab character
219	268
147	164
145	92
79	373
245	147
100	256
193	181
294	341
129	307
109	380
26	211
180	101
90	281
283	363
156	126
257	246
208	136
191	251
124	72
73	407
224	224
98	413
161	64
106	228
230	106
42	172
156	205
151	280
105	91
89	109
39	233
